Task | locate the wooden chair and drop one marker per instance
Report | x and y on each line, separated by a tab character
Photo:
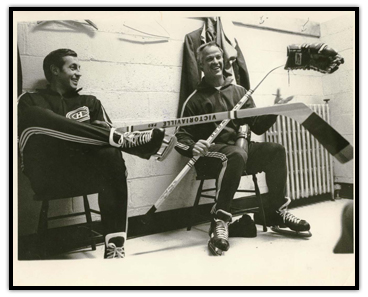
44	218
202	193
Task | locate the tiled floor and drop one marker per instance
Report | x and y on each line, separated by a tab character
181	258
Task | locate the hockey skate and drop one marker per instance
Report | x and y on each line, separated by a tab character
114	245
143	144
219	234
283	222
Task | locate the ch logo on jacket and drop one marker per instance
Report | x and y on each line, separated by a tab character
81	114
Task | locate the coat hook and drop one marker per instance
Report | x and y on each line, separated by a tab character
304	27
261	20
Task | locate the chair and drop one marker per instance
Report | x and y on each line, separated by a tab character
200	194
244	130
44	219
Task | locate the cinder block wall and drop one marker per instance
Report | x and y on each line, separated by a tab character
339	34
137	76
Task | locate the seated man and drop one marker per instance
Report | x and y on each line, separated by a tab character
68	146
215	93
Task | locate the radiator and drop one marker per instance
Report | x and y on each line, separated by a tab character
310	167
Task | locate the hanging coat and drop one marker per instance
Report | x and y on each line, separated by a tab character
191	73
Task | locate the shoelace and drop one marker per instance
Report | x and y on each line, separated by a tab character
133	139
221	230
286	215
112	251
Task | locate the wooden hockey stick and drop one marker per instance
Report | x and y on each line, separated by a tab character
332	140
335	144
210	139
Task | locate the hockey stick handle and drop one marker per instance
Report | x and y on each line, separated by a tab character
341	149
214	117
330	139
210	139
193	160
195	120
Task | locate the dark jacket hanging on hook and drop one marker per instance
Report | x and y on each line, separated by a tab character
191	74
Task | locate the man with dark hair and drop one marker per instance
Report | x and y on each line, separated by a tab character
215	93
68	146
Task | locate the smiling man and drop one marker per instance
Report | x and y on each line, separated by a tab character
216	93
68	146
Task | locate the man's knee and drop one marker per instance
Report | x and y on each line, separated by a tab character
278	150
238	155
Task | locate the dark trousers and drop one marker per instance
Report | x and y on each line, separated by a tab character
229	162
68	158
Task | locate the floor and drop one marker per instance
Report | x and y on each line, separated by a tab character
181	258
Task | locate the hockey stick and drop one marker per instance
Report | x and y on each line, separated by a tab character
210	139
337	145
330	139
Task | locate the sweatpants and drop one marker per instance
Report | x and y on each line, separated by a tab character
229	162
68	158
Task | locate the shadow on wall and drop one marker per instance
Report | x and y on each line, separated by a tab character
40	84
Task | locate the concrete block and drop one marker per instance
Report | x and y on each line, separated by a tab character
263	100
340	41
179	26
309	99
300	84
44	38
124	105
343	123
350	138
131	78
163	105
263	60
33	76
349	59
344	172
268	40
125	48
172	165
338	82
342	104
136	107
338	24
137	167
146	191
184	194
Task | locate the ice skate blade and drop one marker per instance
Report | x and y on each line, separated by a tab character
167	146
283	231
214	250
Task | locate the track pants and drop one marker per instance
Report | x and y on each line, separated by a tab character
68	158
229	162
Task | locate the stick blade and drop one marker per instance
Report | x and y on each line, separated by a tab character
331	140
345	155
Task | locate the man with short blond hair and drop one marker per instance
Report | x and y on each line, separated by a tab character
216	93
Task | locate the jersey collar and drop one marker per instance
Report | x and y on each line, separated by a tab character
204	85
70	94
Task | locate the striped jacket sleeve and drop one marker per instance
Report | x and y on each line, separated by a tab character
99	114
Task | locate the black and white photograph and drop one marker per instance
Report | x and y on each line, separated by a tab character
164	148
